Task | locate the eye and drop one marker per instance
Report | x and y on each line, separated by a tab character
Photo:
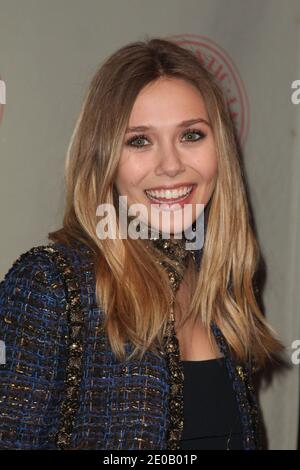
191	132
136	138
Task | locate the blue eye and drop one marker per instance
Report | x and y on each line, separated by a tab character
136	138
132	142
194	131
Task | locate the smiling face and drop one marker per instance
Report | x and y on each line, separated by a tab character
167	163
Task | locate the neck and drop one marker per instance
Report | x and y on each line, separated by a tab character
171	253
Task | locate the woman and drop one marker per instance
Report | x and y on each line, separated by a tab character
124	342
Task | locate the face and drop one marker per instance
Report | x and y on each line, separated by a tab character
168	163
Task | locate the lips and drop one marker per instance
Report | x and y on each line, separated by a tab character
169	203
173	186
171	194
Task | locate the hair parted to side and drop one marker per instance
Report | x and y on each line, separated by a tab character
131	287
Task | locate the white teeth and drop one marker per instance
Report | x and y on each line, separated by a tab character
170	193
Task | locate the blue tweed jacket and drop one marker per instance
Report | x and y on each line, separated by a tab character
61	385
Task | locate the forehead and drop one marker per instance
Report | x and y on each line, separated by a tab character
171	99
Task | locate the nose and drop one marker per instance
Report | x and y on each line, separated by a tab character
169	161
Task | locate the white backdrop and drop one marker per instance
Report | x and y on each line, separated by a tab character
49	51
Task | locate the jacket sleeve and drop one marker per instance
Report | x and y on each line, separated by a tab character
33	331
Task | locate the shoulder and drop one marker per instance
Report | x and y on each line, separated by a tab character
33	297
45	266
40	282
36	268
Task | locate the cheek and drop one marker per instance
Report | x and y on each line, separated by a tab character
207	166
128	176
212	167
131	170
124	184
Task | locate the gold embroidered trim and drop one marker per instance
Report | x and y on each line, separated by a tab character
75	317
175	250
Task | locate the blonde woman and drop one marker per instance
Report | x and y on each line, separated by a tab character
117	342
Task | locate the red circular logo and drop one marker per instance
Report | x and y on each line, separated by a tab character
218	62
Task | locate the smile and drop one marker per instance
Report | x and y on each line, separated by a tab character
179	195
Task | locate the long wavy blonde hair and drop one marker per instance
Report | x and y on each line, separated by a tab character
131	287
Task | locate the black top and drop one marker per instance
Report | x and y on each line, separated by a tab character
211	419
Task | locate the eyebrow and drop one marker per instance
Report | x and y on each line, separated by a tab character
186	123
